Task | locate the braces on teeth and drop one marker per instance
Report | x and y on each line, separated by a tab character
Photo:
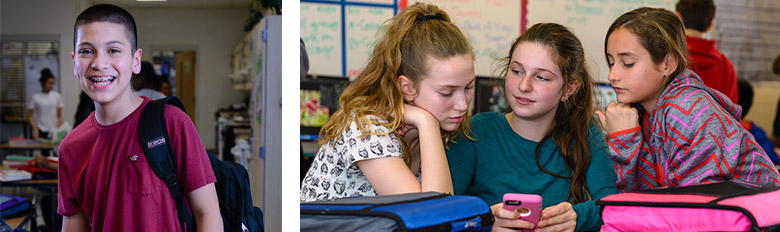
98	79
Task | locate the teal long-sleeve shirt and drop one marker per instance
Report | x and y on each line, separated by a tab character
501	161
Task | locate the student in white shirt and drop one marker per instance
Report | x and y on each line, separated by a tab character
44	109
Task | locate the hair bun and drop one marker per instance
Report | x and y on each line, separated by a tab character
46	72
45	75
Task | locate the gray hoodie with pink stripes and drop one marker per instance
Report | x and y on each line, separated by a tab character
693	135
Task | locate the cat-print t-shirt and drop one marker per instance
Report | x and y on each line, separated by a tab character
335	173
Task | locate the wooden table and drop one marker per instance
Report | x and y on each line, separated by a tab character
47	183
14	222
34	146
42	146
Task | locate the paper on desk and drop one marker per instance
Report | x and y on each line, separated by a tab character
14	175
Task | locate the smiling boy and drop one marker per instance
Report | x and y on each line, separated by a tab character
105	182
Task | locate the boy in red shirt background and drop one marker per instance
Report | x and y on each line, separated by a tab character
705	59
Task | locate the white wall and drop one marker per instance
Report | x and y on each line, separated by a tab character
46	17
213	33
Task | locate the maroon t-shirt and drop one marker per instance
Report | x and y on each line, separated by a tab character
104	173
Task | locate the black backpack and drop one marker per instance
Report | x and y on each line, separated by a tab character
233	187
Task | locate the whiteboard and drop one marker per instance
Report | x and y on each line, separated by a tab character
589	20
342	48
321	32
362	25
340	35
490	25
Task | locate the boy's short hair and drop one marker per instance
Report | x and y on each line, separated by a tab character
776	65
108	13
696	14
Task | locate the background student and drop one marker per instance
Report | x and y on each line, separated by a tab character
745	101
147	83
165	86
713	68
776	124
387	137
105	182
675	131
44	109
549	144
85	107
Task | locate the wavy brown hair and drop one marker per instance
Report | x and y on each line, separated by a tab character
570	131
419	32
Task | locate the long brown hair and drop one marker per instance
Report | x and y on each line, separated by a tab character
419	32
570	131
660	32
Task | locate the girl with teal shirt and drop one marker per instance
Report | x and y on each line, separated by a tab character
550	144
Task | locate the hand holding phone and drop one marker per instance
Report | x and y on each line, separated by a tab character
529	206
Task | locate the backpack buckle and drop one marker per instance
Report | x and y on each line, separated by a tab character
171	180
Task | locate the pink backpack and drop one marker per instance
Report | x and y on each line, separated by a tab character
723	206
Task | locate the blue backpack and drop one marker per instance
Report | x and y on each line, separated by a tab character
13	206
426	211
233	189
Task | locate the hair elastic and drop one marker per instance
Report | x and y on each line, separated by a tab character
429	17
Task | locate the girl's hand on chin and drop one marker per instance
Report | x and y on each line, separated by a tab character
618	117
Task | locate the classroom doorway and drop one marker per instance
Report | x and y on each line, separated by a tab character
178	68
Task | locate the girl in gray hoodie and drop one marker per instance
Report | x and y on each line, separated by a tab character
670	129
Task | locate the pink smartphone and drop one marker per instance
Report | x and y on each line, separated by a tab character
528	205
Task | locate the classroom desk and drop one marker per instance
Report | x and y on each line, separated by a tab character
36	146
43	186
47	183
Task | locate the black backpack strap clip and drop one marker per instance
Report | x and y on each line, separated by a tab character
172	181
157	148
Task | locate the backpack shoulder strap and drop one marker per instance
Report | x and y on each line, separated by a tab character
157	148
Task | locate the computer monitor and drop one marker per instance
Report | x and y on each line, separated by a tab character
603	95
488	97
319	100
